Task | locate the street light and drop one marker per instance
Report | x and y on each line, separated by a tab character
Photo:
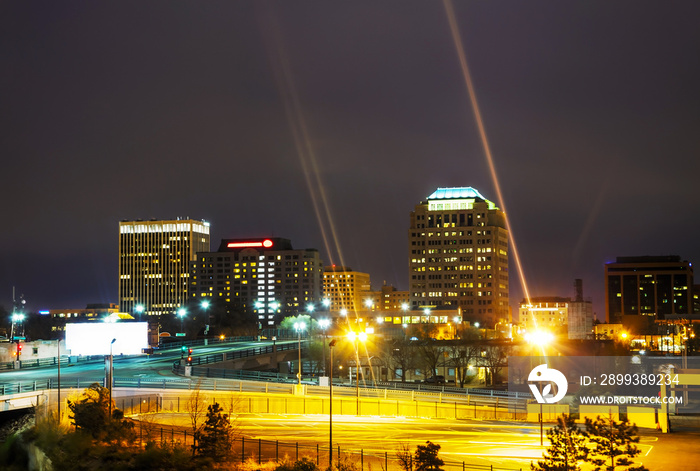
324	323
542	339
111	376
181	314
140	308
205	306
330	409
299	326
357	337
58	357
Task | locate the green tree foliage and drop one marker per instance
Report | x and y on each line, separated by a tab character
613	444
215	438
303	464
426	457
90	414
568	447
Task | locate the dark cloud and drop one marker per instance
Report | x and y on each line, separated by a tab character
116	110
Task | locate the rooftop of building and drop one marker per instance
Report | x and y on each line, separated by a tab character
650	259
456	193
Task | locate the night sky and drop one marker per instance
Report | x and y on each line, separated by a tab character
243	112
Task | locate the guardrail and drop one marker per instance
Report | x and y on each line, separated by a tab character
210	384
236	354
71	360
221	373
51	361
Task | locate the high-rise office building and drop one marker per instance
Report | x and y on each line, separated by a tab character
266	278
154	259
346	289
641	290
458	255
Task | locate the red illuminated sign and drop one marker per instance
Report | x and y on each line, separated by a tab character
267	243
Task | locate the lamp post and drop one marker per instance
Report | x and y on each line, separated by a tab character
205	307
139	308
299	326
541	339
357	337
330	409
111	376
58	357
181	314
324	323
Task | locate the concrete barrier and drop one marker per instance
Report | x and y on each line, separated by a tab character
592	412
550	412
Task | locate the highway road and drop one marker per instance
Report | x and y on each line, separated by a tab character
154	366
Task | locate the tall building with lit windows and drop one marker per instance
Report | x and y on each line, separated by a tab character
641	290
154	259
266	278
458	256
346	289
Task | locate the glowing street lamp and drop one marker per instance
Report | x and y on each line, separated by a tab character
369	304
324	323
140	308
357	337
299	327
542	339
181	314
111	376
310	308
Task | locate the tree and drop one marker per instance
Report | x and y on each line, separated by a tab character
405	457
215	438
568	447
426	457
90	414
399	356
196	408
614	444
495	357
431	353
464	351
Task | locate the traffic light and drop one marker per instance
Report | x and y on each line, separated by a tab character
183	350
19	349
189	357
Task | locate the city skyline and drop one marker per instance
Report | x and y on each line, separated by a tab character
237	113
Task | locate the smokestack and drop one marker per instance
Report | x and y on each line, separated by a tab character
578	289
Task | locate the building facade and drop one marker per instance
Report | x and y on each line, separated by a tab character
346	289
544	313
564	316
154	259
458	255
266	278
641	290
388	298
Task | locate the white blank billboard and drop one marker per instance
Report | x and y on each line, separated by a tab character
95	338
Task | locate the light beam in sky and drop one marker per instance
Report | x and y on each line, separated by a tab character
457	39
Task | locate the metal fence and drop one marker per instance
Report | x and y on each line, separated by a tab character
259	451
